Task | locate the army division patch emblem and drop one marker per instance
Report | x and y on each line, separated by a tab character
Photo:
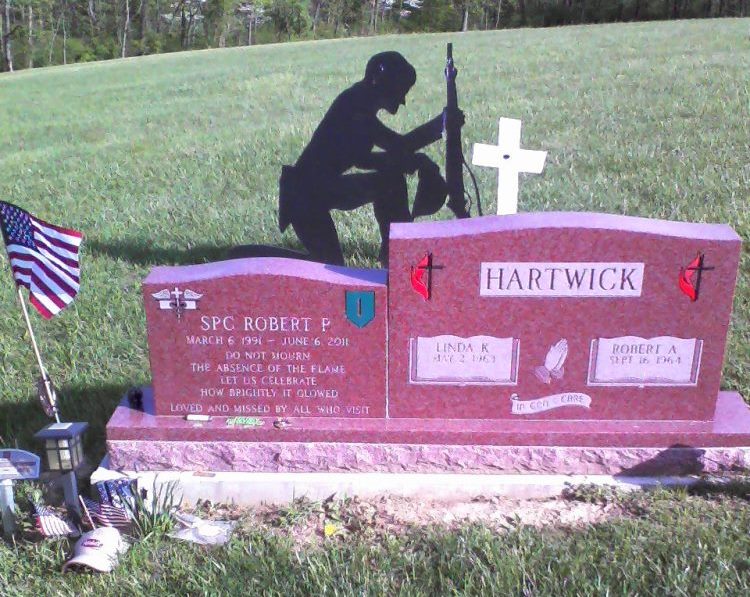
360	307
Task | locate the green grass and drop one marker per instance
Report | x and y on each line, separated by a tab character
171	159
672	543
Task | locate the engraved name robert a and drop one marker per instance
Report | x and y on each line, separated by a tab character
561	279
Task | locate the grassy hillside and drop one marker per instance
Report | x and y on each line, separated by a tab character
173	158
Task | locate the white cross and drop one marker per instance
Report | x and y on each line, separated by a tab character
508	157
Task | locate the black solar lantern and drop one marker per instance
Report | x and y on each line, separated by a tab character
63	453
63	448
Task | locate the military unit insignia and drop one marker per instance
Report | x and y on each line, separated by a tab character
177	300
360	307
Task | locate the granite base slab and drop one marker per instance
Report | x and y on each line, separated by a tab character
140	440
247	489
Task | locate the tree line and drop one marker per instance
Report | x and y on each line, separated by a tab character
47	32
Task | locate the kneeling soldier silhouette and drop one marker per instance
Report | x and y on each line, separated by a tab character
346	137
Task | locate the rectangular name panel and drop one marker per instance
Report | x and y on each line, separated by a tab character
561	279
452	360
636	361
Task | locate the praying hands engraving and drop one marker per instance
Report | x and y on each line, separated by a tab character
554	362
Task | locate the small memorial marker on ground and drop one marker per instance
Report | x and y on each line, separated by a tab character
510	160
15	465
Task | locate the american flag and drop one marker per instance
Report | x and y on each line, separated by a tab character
107	515
43	257
50	524
118	492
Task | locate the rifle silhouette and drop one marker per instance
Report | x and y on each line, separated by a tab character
454	155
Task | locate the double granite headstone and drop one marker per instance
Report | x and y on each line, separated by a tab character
551	342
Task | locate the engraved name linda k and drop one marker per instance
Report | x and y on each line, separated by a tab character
458	352
584	279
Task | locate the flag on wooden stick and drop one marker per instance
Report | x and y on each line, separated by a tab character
107	515
43	258
49	524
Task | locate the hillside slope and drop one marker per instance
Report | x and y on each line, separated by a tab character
173	158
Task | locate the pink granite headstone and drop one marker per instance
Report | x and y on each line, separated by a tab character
267	337
559	316
552	342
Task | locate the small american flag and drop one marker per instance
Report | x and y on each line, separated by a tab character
118	492
50	524
107	515
43	257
